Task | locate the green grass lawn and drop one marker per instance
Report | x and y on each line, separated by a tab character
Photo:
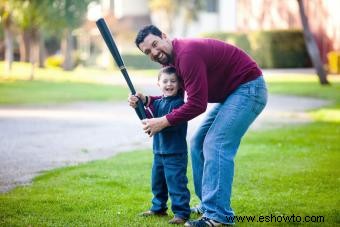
304	85
21	71
291	171
43	92
308	86
53	85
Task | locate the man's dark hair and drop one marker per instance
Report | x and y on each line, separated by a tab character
145	31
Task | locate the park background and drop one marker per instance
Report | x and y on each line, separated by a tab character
55	67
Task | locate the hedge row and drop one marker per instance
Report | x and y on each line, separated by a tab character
271	49
139	61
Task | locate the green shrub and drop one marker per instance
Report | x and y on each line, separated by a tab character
279	49
217	35
238	39
139	61
271	49
2	33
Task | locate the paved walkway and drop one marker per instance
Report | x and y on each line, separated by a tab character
39	138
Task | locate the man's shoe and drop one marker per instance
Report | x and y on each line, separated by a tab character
203	222
177	221
196	210
149	213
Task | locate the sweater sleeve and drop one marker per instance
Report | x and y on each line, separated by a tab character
194	73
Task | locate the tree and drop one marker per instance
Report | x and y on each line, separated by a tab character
31	16
312	47
70	14
191	8
7	23
164	13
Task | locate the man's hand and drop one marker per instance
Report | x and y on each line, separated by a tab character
153	125
133	99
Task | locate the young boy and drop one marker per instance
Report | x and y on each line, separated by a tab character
170	152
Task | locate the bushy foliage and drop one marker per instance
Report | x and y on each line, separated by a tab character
139	61
271	49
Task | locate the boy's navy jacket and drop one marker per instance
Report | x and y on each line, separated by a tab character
172	139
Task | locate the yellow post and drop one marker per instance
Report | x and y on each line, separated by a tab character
334	62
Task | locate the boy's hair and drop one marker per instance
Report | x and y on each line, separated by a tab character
167	70
145	31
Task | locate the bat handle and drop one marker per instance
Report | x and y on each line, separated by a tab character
140	109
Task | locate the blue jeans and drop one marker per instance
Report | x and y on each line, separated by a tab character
169	177
214	146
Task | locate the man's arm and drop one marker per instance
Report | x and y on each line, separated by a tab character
175	105
194	73
155	125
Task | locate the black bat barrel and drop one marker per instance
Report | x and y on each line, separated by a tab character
110	43
104	30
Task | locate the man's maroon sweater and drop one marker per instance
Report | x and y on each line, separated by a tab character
210	70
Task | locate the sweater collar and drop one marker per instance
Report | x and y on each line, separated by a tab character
170	97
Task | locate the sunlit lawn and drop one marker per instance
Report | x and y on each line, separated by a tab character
304	85
53	85
308	86
21	71
286	171
291	171
41	92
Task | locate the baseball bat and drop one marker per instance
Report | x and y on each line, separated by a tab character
110	43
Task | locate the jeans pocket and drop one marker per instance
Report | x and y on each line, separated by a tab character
260	100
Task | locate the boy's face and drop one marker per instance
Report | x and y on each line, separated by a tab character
168	84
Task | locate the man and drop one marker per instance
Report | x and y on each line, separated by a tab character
214	72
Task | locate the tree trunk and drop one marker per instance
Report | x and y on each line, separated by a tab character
67	51
185	22
24	45
162	19
34	51
8	49
312	47
42	52
189	15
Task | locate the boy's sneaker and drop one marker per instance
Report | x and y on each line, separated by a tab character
177	221
149	213
203	222
196	210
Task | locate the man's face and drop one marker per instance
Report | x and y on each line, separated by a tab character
159	49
